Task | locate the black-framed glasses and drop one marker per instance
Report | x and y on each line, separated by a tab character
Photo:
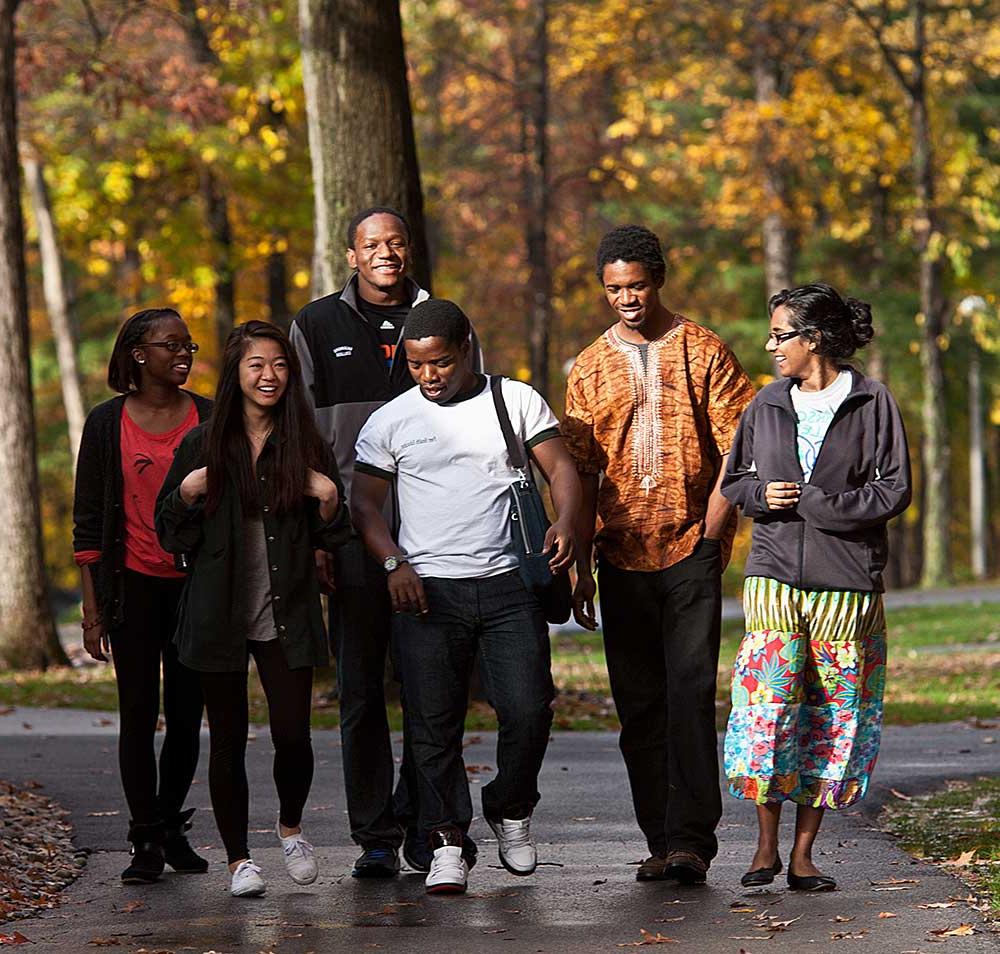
173	347
780	337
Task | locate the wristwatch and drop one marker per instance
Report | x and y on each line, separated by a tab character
391	563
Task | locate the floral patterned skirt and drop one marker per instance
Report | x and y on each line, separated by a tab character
807	695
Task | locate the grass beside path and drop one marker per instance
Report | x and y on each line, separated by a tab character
958	827
944	665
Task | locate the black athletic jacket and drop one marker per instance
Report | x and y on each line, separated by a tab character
835	539
344	367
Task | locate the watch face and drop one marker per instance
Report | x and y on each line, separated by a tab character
390	563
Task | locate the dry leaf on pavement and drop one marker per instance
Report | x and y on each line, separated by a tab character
16	938
887	914
963	930
965	858
650	939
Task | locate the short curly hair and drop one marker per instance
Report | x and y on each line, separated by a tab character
632	243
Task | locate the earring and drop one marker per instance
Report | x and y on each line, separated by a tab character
140	360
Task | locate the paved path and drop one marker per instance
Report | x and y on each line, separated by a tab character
583	897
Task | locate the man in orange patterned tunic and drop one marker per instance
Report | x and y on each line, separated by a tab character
653	406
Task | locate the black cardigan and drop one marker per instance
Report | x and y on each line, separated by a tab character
211	630
98	522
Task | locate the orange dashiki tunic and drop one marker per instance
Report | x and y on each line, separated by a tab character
656	429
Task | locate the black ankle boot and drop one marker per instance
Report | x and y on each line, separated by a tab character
147	854
177	850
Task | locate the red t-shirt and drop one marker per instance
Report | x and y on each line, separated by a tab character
146	458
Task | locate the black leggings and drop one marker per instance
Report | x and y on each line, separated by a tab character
289	703
137	647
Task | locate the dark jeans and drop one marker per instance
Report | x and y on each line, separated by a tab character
138	647
289	704
435	655
360	625
661	638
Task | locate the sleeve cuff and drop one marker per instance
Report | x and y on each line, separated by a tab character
361	467
86	557
541	437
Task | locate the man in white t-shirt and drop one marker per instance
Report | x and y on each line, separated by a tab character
454	581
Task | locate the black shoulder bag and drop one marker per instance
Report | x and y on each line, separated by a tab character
528	525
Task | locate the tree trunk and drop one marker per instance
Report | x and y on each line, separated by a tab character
217	216
57	303
361	141
778	241
27	632
277	287
936	451
978	512
213	193
536	195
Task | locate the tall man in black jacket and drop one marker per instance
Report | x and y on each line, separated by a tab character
347	343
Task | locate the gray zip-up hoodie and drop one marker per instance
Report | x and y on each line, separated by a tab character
835	538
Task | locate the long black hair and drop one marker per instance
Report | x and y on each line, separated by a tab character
836	325
123	370
297	441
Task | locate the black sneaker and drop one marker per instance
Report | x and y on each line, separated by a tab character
377	863
146	865
177	850
416	854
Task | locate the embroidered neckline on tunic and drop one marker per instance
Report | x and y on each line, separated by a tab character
647	394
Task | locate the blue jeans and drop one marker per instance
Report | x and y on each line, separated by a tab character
434	653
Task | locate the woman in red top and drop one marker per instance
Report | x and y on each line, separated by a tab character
131	586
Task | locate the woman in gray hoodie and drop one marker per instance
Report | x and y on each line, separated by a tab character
820	463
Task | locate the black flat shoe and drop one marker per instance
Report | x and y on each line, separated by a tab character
761	876
811	882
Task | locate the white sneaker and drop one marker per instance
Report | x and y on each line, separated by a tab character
247	882
300	859
517	853
449	873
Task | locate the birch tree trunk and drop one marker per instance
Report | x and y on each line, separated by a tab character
56	302
27	632
361	141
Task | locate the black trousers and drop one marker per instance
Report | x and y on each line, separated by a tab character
289	705
139	646
505	623
360	627
661	639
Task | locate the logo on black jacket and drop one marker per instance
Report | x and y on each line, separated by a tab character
343	351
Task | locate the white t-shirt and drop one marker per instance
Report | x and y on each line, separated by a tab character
453	474
815	410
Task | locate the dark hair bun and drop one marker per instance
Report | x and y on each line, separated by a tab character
861	321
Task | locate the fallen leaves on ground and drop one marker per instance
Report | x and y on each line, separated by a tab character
133	906
648	939
883	915
105	942
965	858
848	935
963	930
16	938
842	919
899	794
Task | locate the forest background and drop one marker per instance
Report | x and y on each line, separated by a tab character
165	154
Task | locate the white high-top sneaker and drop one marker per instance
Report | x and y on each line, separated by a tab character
449	873
300	859
514	845
247	881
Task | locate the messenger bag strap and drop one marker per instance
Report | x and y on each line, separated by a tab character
514	447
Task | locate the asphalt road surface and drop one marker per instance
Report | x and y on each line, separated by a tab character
582	898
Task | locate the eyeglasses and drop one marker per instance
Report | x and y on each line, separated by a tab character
172	346
780	337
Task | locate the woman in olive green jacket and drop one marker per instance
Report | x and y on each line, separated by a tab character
248	499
